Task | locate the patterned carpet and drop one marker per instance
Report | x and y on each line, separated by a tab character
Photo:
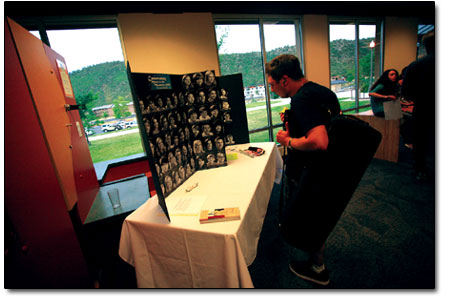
385	238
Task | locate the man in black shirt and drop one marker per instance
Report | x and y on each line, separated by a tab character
419	86
306	137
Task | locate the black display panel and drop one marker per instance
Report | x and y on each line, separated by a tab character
186	121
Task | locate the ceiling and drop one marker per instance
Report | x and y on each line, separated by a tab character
33	9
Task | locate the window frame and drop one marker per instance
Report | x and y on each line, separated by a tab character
110	21
379	39
260	20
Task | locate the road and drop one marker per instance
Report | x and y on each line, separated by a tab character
284	101
113	134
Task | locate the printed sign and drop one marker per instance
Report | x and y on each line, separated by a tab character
67	86
159	82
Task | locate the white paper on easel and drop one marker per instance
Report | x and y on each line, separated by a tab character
185	206
392	110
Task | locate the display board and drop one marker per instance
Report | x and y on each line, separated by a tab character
186	121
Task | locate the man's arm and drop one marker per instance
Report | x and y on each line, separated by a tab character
410	83
316	139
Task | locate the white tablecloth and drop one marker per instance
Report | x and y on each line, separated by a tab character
184	253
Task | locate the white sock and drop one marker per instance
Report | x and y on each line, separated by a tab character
318	269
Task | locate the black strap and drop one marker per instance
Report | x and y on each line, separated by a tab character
282	187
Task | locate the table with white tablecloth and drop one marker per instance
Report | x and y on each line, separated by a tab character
186	254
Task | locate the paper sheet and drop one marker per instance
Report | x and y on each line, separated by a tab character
392	110
185	206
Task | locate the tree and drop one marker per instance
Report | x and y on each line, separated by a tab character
222	37
87	115
364	73
120	108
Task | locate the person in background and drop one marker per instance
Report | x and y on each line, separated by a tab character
219	143
193	116
212	97
203	114
406	129
190	99
187	82
198	147
155	126
201	97
210	78
147	125
220	159
306	137
169	183
419	87
211	161
198	80
384	89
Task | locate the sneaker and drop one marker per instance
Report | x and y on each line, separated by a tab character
304	270
421	176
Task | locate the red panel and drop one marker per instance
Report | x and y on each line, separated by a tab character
151	184
33	197
85	177
126	170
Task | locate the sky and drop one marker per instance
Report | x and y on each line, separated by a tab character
245	38
86	47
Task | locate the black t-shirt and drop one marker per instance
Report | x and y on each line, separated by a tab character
311	106
419	86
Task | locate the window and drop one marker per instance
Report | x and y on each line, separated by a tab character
98	75
279	38
35	33
244	47
422	30
354	49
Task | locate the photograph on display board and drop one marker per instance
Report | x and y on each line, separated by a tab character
184	120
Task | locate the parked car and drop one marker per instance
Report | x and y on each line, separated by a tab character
129	124
88	132
110	127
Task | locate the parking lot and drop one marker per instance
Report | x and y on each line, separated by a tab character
111	129
112	133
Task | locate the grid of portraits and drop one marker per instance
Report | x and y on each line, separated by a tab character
186	128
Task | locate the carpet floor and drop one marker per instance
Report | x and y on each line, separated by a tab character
385	239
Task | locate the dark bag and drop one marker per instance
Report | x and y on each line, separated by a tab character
315	203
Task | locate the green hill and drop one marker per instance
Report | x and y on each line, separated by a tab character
109	80
249	63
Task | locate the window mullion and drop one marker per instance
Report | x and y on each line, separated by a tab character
299	42
266	83
357	66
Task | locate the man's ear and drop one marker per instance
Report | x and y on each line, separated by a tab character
283	79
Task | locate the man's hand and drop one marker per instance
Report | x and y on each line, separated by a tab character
316	139
284	136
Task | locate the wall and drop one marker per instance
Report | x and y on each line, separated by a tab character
400	45
400	42
49	100
169	43
316	49
44	245
183	43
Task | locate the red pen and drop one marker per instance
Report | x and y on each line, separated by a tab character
216	217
